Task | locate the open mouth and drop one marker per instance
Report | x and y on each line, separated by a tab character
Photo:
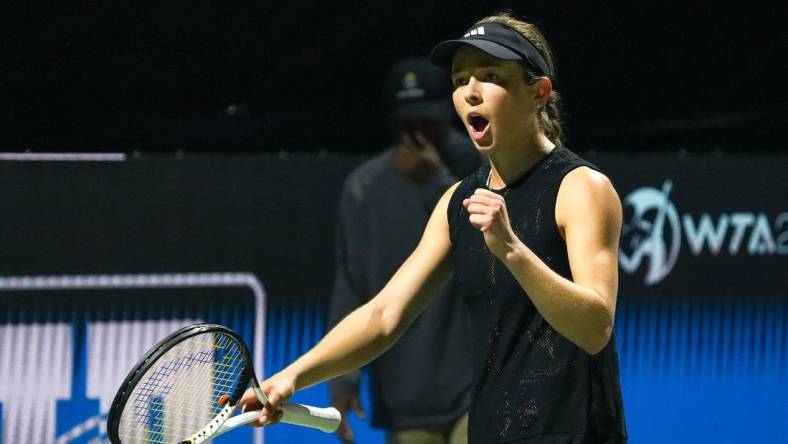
478	123
479	126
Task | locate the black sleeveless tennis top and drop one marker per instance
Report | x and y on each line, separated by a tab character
530	384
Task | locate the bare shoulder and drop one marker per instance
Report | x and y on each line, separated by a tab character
450	191
586	193
443	202
586	180
439	220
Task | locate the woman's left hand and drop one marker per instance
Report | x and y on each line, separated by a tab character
487	212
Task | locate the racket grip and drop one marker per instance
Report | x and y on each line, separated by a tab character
324	419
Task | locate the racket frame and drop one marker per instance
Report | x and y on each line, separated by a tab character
324	419
156	352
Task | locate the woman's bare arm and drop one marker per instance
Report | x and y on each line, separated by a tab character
371	329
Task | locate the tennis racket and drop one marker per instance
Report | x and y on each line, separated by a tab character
185	389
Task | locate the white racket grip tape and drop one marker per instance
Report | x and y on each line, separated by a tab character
324	419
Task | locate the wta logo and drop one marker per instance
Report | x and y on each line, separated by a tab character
653	231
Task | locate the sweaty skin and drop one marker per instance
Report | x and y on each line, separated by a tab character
587	211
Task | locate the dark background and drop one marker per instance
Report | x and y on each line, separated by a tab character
228	76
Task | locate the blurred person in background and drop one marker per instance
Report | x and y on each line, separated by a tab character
419	388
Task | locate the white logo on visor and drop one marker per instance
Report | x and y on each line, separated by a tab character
477	31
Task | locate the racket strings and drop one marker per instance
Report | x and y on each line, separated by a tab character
153	385
179	394
183	405
224	380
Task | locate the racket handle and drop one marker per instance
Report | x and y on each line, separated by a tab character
324	419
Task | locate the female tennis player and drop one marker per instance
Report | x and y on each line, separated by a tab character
532	239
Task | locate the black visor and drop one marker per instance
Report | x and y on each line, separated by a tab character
497	40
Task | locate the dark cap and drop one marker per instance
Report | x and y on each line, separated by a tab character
416	89
497	40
